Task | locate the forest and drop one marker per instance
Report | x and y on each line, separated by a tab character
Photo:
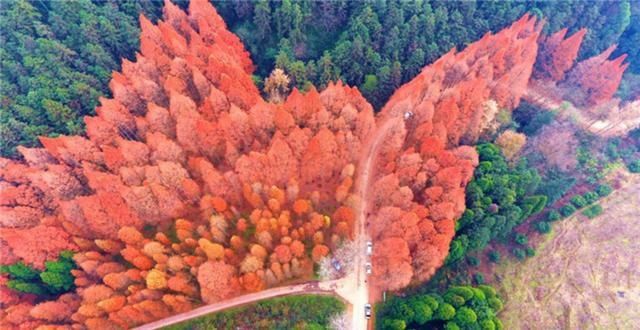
165	156
58	55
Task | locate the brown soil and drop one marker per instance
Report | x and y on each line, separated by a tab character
586	275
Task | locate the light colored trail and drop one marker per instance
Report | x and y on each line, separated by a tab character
361	296
353	288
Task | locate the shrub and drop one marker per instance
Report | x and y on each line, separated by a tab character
590	197
530	251
521	239
578	201
519	253
593	211
473	261
604	190
553	216
543	227
478	278
634	166
54	280
567	210
494	256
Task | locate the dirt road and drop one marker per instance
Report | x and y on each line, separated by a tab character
361	296
617	122
327	287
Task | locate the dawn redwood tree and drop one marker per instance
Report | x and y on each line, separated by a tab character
186	147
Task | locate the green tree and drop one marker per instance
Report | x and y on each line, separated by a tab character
543	227
465	316
445	312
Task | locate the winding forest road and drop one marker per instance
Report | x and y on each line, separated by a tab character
353	288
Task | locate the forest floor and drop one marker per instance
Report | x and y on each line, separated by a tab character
585	275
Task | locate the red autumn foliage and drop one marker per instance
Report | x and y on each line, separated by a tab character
217	281
207	191
596	79
557	54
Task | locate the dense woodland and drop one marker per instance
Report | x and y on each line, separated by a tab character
58	55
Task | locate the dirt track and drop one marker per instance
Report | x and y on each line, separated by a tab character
585	276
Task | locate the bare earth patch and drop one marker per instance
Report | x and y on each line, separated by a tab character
584	276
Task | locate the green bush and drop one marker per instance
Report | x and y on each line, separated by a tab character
578	201
430	311
590	197
20	271
519	253
634	166
494	256
478	278
54	280
473	261
530	251
521	239
604	190
567	210
499	198
27	287
543	227
553	216
592	211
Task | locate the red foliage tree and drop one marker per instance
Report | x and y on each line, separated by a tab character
596	79
557	54
217	281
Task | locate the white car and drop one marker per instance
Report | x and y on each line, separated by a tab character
369	248
367	311
367	268
408	115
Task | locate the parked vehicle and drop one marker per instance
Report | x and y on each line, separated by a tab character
367	268
369	248
408	115
367	311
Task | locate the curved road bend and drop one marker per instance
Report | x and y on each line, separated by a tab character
352	288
